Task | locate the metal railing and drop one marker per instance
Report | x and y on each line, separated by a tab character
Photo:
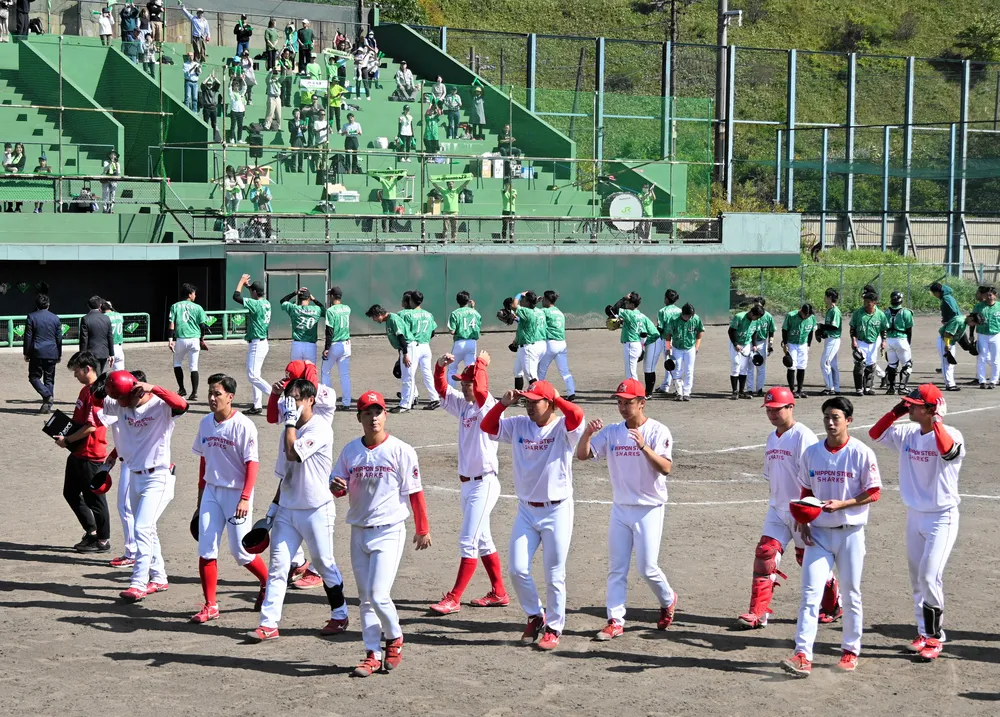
135	329
79	194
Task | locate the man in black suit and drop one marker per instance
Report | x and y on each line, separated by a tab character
96	335
42	350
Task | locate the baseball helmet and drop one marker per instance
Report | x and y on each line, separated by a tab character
858	356
896	297
779	397
668	363
806	510
101	482
397	372
786	360
257	540
757	358
120	384
194	526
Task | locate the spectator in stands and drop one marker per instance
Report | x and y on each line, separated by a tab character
390	195
109	188
449	205
271	44
105	26
243	32
305	37
145	30
237	108
209	99
508	199
370	41
22	7
249	77
352	131
260	195
5	6
287	64
505	144
232	190
201	33
372	60
272	117
42	350
341	64
406	90
192	72
297	139
477	115
292	38
149	55
341	43
452	110
132	46
407	143
155	8
438	91
8	152
14	164
319	129
129	20
312	111
313	69
646	198
432	127
42	168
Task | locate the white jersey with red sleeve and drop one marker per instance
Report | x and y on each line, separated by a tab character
840	474
477	450
542	457
226	447
326	402
143	436
379	479
927	482
634	481
782	461
305	484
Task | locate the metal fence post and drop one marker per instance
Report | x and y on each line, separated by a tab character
762	281
730	119
790	122
443	40
908	137
599	88
852	103
777	168
802	284
841	281
532	63
950	235
822	189
666	130
880	268
885	187
909	290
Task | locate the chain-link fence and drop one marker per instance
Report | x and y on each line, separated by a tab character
80	194
135	328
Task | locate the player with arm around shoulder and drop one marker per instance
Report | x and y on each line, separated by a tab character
380	474
639	452
477	473
542	454
841	473
930	458
226	444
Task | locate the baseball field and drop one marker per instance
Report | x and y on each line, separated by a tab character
72	647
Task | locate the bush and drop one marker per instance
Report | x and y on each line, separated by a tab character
908	27
981	39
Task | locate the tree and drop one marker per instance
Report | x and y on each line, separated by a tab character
981	39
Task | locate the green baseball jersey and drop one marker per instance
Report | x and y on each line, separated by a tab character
187	318
898	323
305	320
258	318
835	319
955	327
744	327
527	326
465	322
684	334
117	328
394	326
664	316
798	328
555	324
338	320
541	327
632	324
868	327
422	324
991	318
649	328
765	327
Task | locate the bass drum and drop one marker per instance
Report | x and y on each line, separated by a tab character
625	211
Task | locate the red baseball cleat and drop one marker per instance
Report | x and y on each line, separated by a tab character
308	581
208	612
393	653
531	630
798	665
122	562
259	602
848	662
750	621
335	626
549	641
132	594
931	650
918	644
491	599
369	665
296	573
156	588
263	634
447	605
612	630
667	615
825	618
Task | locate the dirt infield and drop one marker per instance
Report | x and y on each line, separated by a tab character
71	646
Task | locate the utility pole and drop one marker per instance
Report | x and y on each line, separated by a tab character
722	85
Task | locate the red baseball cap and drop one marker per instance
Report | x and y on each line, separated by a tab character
370	398
925	394
540	391
467	375
778	397
630	388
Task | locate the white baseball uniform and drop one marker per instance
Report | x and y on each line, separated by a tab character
799	354
838	538
782	462
543	481
828	364
125	509
256	353
739	361
226	447
143	441
303	351
555	350
928	485
639	494
420	362
118	358
339	356
870	351
897	351
306	513
379	481
947	369
988	346
528	358
189	349
631	350
464	351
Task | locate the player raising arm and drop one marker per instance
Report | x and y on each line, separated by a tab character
930	457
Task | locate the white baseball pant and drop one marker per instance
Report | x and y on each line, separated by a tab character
669	377
151	493
303	351
845	548
218	505
637	527
989	356
339	355
800	355
291	527
780	525
556	351
897	352
375	556
929	540
527	360
420	361
189	349
478	500
685	359
551	527
829	366
125	511
870	351
757	375
118	359
947	369
739	361
631	351
256	353
649	360
464	351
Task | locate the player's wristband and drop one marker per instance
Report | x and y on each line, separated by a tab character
171	334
